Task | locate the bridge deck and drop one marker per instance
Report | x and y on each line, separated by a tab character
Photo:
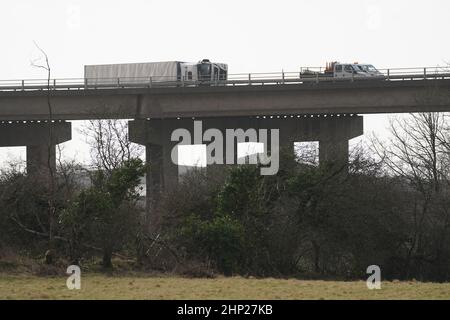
283	99
274	78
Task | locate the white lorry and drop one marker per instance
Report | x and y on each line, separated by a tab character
154	72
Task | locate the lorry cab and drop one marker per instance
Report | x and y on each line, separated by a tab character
208	71
204	70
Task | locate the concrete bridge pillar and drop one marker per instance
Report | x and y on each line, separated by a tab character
334	153
39	143
333	134
162	173
40	158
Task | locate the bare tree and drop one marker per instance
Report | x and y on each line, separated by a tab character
51	181
417	149
418	152
109	143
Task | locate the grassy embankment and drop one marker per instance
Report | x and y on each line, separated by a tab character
170	287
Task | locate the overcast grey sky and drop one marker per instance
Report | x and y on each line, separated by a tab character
248	35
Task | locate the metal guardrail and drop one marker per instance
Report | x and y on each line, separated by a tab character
314	75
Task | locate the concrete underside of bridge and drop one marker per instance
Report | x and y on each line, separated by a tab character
39	140
333	134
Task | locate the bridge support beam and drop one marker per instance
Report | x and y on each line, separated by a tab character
332	132
39	142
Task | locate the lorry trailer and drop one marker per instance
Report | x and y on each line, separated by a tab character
166	71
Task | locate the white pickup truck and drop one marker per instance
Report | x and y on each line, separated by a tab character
345	70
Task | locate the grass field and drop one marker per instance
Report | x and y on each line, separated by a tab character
104	287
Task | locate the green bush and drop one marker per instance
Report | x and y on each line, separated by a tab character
219	239
104	214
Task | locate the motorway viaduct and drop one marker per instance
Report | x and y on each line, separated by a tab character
325	112
358	97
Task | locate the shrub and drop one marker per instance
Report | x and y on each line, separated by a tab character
219	239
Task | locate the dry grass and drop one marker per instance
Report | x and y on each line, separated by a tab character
104	287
